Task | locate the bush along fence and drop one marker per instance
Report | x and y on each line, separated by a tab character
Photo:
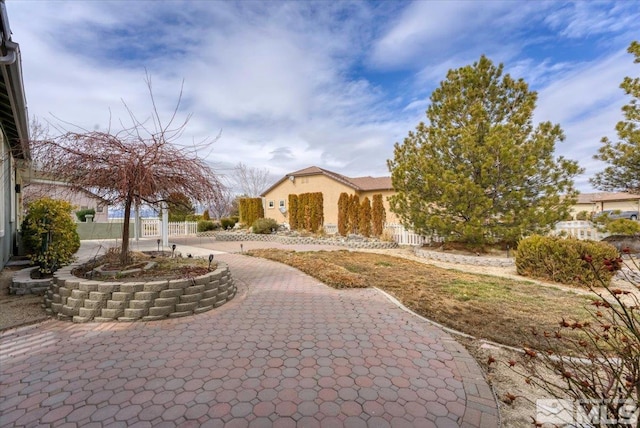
349	242
81	300
582	230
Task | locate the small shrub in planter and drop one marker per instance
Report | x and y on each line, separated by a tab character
49	234
264	225
82	214
562	260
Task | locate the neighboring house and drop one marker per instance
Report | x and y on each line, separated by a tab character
41	186
617	201
331	184
594	203
14	139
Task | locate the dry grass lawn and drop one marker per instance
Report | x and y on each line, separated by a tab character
487	307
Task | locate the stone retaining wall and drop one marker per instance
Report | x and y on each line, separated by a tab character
299	240
82	300
465	260
22	283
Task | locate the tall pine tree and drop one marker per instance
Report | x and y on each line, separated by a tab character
623	157
479	171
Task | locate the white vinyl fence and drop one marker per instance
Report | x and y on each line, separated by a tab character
153	228
403	236
583	230
400	235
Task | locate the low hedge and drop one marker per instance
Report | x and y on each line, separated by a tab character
207	225
264	225
228	222
563	260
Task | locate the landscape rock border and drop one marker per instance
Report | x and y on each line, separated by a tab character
463	259
22	283
81	300
300	240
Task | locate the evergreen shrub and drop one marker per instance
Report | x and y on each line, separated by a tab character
264	225
49	234
563	260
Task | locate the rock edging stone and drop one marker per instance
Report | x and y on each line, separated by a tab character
462	259
22	283
299	240
81	300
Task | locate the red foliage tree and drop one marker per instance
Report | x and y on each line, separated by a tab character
132	166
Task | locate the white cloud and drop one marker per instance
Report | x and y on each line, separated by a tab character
293	84
592	85
579	19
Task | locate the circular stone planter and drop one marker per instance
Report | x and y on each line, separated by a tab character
81	300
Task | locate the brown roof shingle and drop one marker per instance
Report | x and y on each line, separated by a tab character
363	184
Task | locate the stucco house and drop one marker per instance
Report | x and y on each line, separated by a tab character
14	139
597	202
41	185
331	184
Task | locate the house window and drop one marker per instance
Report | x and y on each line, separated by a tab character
272	204
99	208
282	203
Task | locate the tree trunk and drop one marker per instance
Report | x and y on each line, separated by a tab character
124	249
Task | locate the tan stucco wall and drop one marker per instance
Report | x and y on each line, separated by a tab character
617	205
331	190
575	209
390	217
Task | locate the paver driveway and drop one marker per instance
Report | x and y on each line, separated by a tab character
287	351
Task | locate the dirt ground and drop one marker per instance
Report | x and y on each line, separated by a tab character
18	310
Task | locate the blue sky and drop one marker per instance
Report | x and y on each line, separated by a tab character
331	84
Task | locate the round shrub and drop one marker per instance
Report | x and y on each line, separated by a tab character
228	222
49	234
207	225
623	226
583	215
264	225
563	260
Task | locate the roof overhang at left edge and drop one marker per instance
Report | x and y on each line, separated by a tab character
13	106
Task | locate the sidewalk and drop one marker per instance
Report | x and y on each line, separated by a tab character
287	351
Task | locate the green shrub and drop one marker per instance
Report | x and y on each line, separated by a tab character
49	234
207	225
264	225
228	222
563	260
622	226
194	217
251	209
583	215
82	214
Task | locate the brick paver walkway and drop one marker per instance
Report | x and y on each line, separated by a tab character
287	351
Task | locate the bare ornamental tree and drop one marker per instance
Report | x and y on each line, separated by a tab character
250	181
140	164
